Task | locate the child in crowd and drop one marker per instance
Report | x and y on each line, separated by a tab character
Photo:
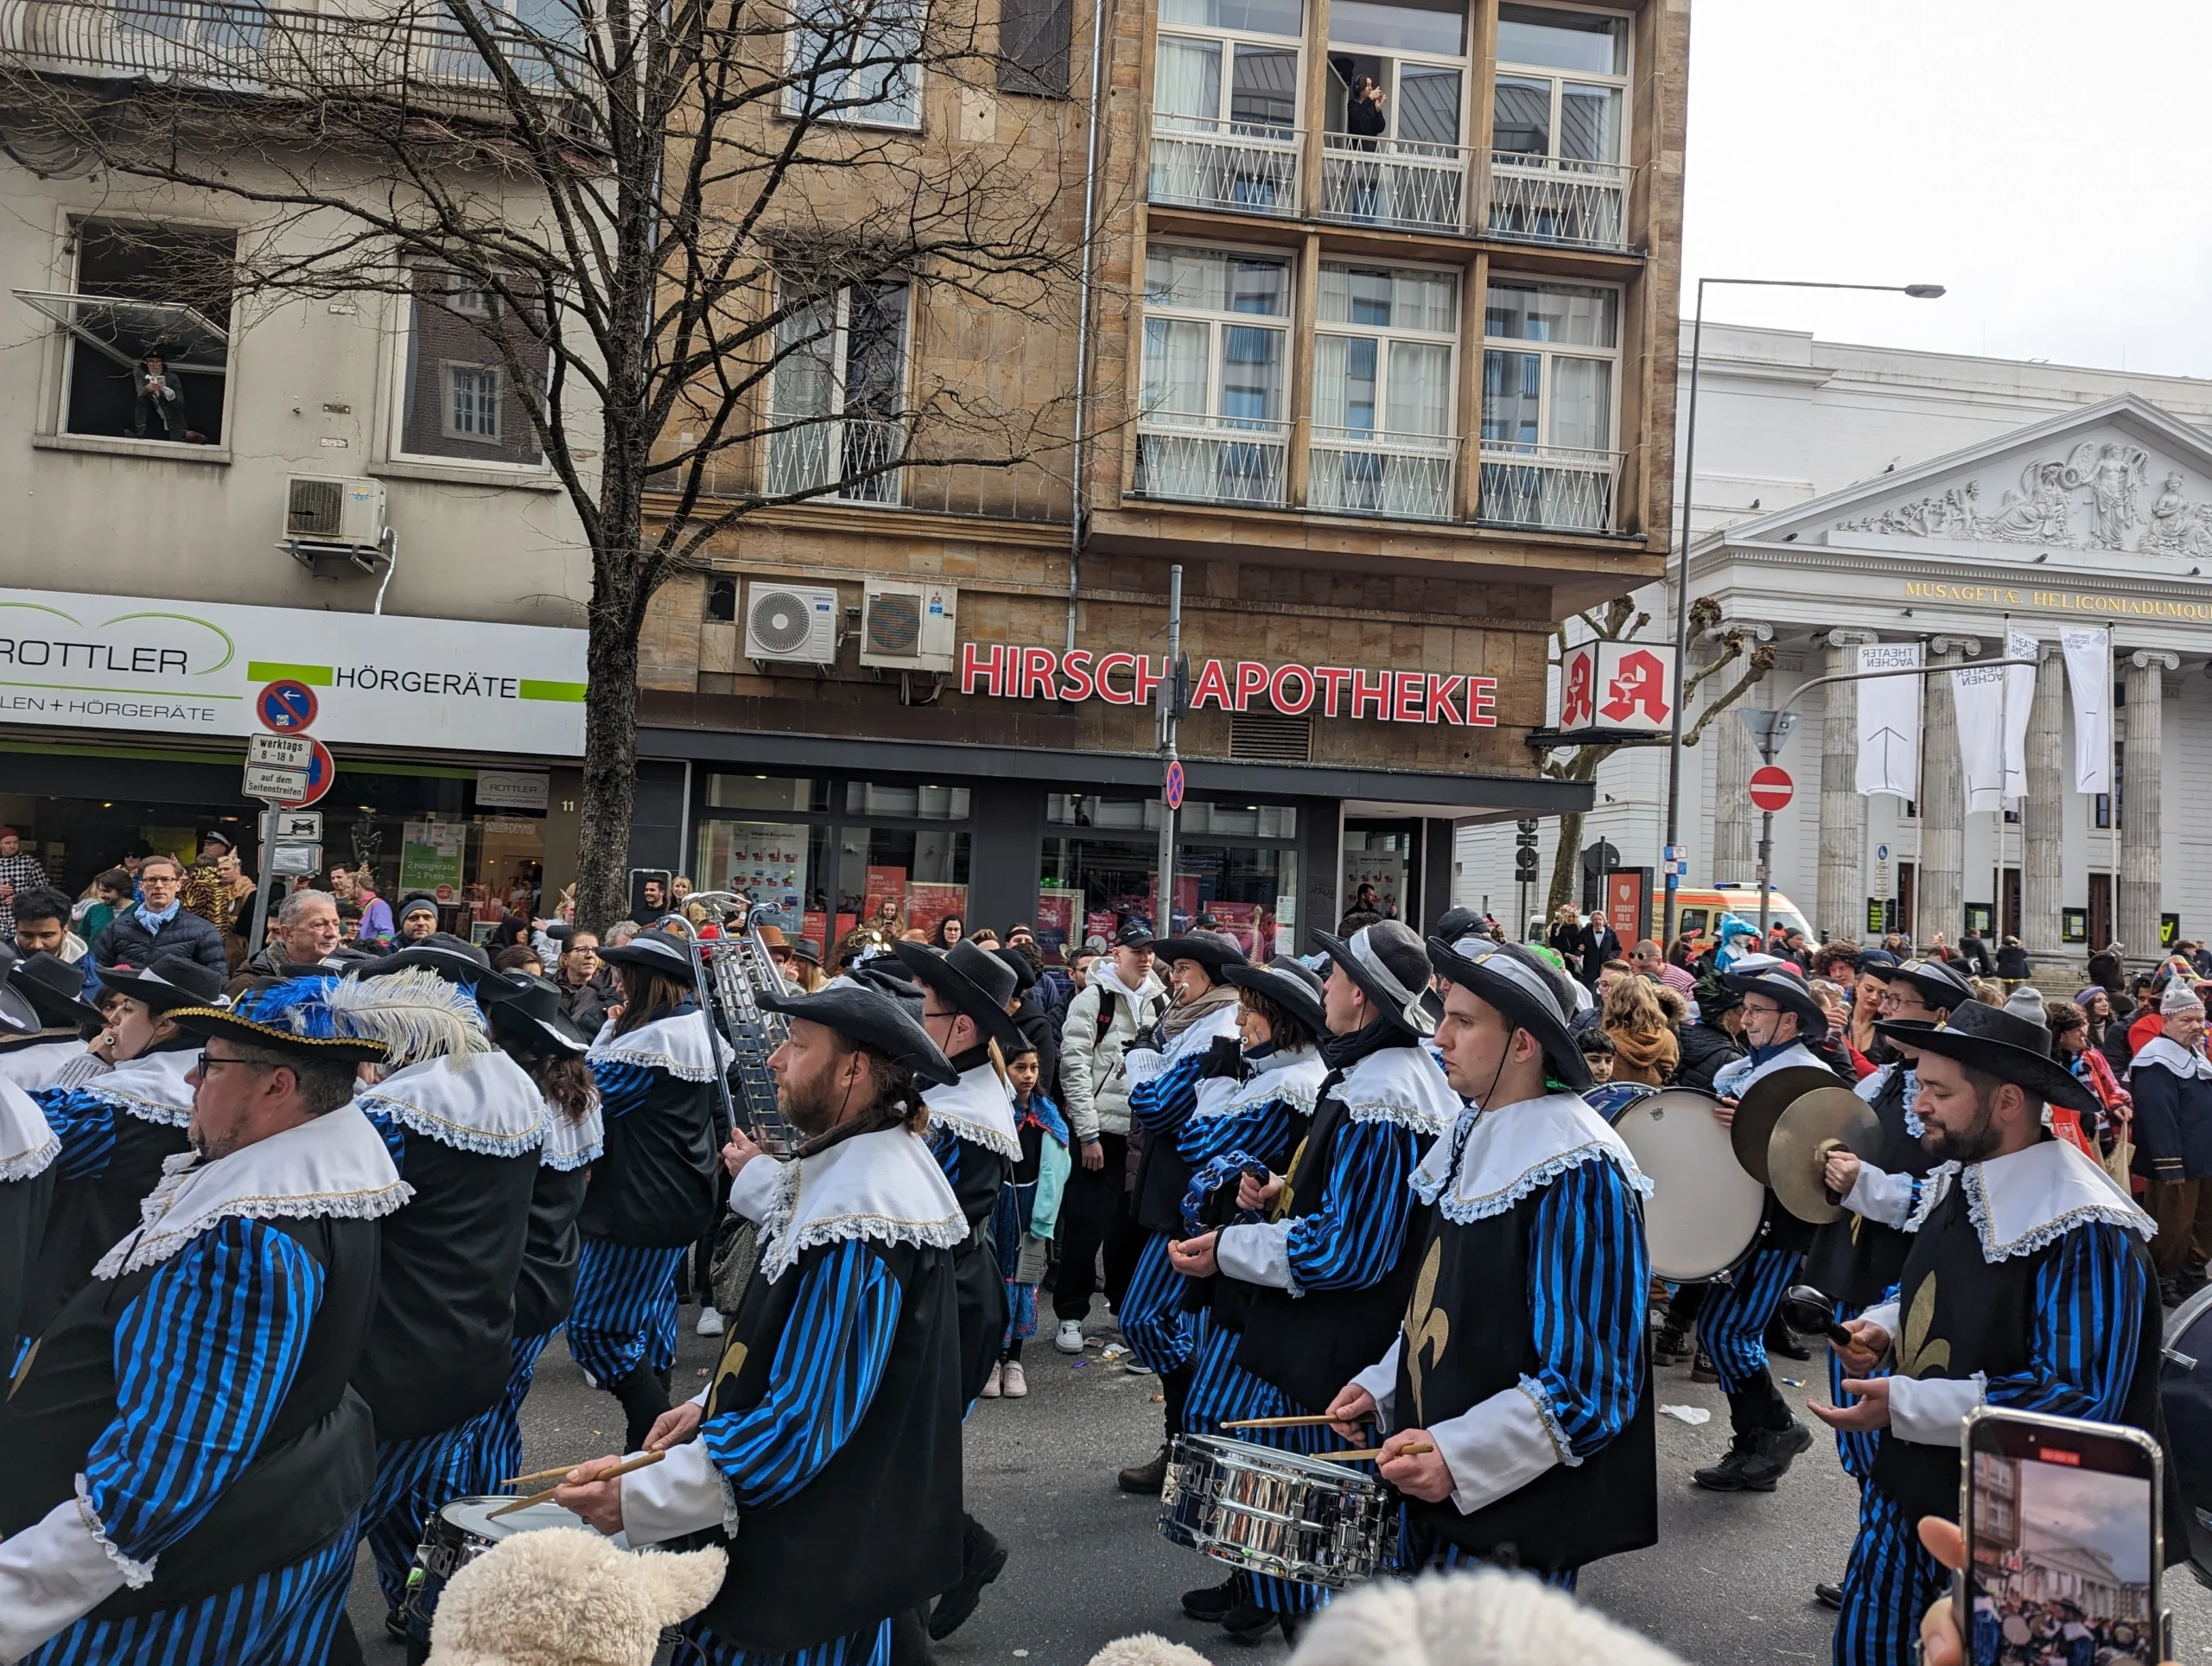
1597	1055
1028	1210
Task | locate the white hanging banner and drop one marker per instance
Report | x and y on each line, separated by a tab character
2019	698
1978	696
2089	675
1889	721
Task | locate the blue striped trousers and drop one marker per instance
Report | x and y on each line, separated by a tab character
701	1647
1855	1448
1732	1323
414	1478
1152	1314
624	1311
1887	1587
502	1428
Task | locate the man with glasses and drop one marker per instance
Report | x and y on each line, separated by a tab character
586	987
161	925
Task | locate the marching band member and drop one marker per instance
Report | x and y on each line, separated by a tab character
28	1146
119	1129
54	989
825	1452
652	1189
1780	1013
968	1000
2027	1285
1323	1276
1164	1085
181	1456
1254	1122
1517	1395
531	1029
464	1123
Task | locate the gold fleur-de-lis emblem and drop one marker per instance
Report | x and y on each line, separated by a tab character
733	1361
1427	1330
1922	1353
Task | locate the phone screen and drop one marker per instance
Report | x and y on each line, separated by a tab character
2063	1561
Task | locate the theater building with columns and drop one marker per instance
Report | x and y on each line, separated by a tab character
1847	496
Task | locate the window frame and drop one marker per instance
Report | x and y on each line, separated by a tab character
1216	322
1549	351
396	451
1226	124
802	86
1624	84
831	422
446	428
1384	334
1397	58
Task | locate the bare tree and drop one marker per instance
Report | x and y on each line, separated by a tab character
1619	621
654	207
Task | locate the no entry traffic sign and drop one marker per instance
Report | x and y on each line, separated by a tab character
1772	787
286	706
321	774
1175	784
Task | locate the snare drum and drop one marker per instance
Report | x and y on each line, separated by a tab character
460	1533
1703	1214
1275	1513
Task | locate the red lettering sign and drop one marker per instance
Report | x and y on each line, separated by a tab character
1577	699
1639	684
975	668
1279	687
1212	686
1411	688
1108	665
1332	679
1251	679
1482	697
1376	695
1075	665
1147	679
1442	692
1038	665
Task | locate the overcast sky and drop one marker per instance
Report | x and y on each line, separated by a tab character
2046	162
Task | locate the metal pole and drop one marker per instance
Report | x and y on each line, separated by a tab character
1168	718
1082	308
2003	781
2112	793
1766	837
1668	917
261	889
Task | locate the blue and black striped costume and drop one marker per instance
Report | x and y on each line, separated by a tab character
1153	1317
624	1311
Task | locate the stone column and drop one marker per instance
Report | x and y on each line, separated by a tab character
2043	817
1941	905
1841	896
1735	823
2139	894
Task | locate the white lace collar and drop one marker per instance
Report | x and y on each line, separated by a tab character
1795	1056
150	1087
571	1144
492	1107
2026	1199
979	1108
35	1064
1870	1086
1293	1078
2169	1054
883	1187
1143	1064
28	1141
334	1165
1870	1089
1402	1085
1506	1155
679	1046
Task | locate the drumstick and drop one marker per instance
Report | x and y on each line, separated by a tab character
1294	1422
541	1474
546	1496
1367	1457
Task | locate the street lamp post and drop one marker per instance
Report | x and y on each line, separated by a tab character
1669	917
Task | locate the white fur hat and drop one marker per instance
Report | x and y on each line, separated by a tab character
565	1597
1147	1649
1485	1619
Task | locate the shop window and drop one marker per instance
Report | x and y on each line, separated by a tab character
857	61
915	804
149	322
461	400
1197	815
779	865
766	792
901	878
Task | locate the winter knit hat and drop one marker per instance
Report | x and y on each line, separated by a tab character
2179	998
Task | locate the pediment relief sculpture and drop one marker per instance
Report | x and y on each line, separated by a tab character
2099	497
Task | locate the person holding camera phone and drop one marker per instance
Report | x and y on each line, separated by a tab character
2027	1286
161	397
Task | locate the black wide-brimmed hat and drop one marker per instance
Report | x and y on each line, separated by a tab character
1788	989
1937	982
2000	1044
1289	985
1388	962
56	989
18	1018
530	1014
654	952
1531	995
1875	963
1455	923
1211	950
171	981
1024	969
455	959
975	980
877	1012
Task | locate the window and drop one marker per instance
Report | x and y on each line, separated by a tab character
721	609
798	792
1214	379
149	325
1548	366
838	395
1383	389
1395	114
1558	113
856	60
1225	107
461	402
1034	39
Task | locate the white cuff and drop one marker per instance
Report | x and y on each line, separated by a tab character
1495	1449
1931	1411
52	1573
1880	1196
1883	1313
1381	1380
753	1188
680	1494
1258	1253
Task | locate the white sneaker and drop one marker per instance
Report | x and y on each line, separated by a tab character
1014	1382
991	1385
710	1322
1069	1337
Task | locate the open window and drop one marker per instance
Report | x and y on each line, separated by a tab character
148	321
462	403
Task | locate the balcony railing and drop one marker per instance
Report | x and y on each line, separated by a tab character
1360	472
1239	167
1556	488
1394	182
1556	200
855	453
411	54
1212	459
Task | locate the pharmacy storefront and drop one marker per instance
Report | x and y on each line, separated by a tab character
450	745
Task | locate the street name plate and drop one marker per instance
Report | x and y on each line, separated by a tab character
274	785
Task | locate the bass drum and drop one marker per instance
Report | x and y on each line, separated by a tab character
2185	1396
1703	1214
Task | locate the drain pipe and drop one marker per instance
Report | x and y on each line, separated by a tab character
1082	302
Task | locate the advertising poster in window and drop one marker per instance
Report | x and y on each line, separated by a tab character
1625	905
928	903
430	856
1056	917
1186	904
1099	923
1240	921
816	926
1382	870
766	860
887	885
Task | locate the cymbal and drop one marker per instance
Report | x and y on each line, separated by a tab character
1762	1108
1811	1127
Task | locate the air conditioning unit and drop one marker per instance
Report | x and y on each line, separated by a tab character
326	509
908	627
791	622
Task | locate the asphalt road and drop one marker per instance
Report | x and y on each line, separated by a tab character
1729	1584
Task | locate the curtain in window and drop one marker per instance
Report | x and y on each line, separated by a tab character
1582	404
1175	366
1590	124
1511	385
801	391
1187	83
1421	388
1251	374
